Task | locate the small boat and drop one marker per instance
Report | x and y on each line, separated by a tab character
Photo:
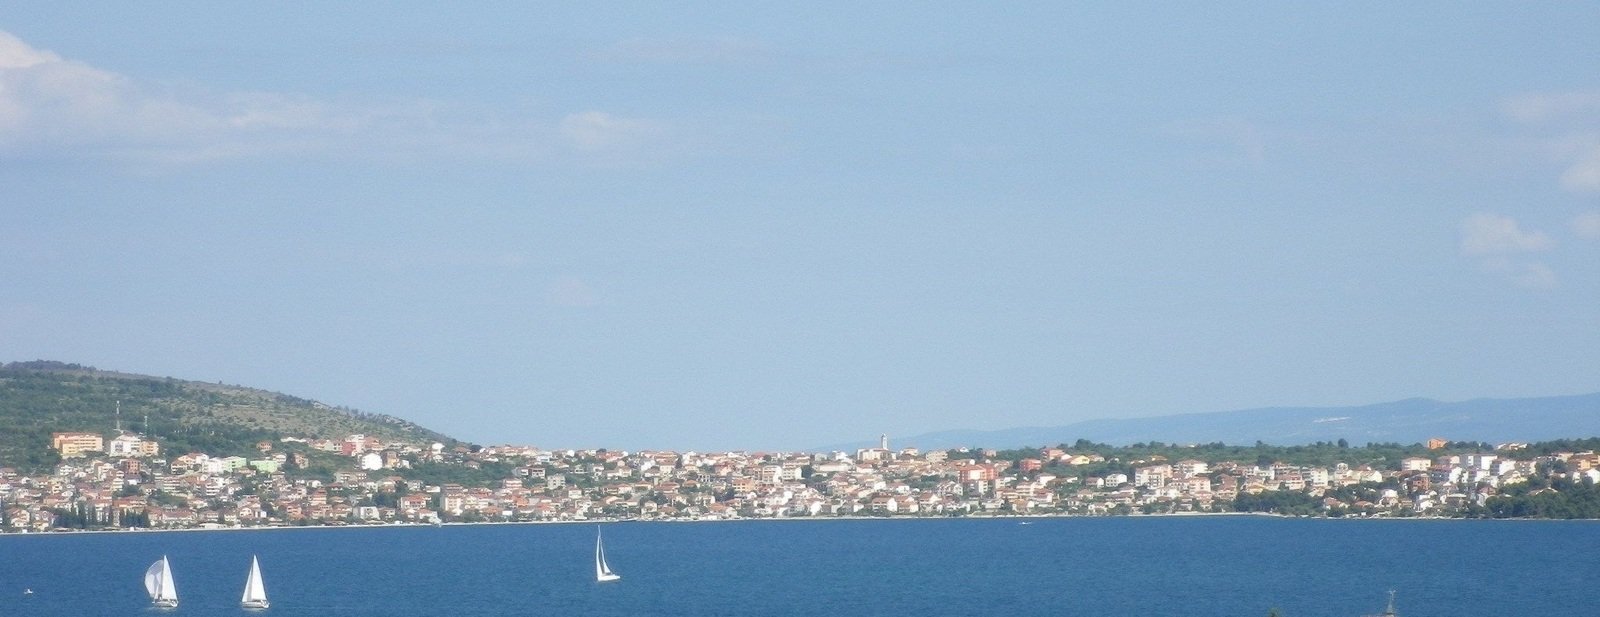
602	572
27	592
255	593
158	582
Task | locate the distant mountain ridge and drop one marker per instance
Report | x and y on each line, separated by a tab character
1407	421
41	397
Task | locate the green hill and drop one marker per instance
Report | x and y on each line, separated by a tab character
41	397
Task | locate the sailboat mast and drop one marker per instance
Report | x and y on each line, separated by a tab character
602	571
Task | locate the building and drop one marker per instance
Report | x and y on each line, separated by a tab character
1415	463
76	444
123	446
265	465
126	445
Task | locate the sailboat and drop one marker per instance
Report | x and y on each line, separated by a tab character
602	572
1388	612
158	581
255	593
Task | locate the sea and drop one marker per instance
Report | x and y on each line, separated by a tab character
1193	566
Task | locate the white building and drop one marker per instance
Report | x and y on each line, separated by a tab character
123	446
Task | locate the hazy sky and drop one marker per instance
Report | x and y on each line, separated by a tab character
783	225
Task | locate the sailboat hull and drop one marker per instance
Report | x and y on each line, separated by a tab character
164	603
255	604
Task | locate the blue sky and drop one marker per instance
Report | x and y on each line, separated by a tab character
768	226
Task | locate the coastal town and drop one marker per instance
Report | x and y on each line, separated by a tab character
129	482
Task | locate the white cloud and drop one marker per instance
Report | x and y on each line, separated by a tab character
15	54
1527	274
1501	245
1587	225
51	107
1569	121
1584	174
36	84
1492	234
592	131
1546	106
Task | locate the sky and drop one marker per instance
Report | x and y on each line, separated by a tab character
779	226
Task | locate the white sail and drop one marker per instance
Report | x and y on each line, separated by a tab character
152	579
602	572
169	587
255	592
158	582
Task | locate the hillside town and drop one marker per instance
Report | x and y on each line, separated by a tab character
129	482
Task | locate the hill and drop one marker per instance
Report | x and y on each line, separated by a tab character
41	397
1407	421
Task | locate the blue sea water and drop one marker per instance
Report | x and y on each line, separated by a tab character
1180	566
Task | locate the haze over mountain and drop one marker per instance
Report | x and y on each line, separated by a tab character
1406	421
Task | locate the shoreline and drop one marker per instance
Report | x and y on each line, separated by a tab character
1020	518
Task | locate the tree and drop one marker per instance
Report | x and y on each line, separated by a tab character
131	518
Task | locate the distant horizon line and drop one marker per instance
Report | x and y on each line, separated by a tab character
41	364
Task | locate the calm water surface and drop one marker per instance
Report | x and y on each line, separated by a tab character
1190	566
